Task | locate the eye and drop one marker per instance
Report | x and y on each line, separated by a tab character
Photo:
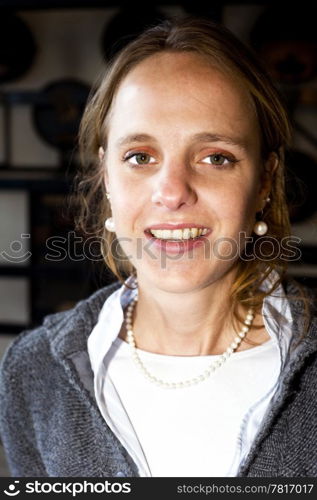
139	158
219	159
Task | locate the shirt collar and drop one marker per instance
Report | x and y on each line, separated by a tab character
111	315
277	316
276	312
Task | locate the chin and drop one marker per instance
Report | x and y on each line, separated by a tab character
182	279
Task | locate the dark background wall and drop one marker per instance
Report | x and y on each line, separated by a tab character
50	55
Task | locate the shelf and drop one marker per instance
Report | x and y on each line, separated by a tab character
35	180
15	270
68	4
13	328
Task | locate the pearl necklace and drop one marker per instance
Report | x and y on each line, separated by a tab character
200	378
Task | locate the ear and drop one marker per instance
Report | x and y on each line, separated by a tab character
269	168
101	156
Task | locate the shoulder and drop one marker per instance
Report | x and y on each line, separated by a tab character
302	365
303	304
32	348
300	294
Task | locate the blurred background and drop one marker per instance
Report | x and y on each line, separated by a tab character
51	53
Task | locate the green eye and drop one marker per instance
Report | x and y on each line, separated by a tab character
138	159
217	159
142	158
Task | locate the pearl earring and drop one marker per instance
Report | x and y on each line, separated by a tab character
260	227
109	224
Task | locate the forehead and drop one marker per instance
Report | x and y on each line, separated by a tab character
182	89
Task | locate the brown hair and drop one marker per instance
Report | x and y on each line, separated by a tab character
223	49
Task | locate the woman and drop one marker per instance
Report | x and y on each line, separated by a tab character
198	361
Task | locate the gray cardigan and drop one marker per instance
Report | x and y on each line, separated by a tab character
50	424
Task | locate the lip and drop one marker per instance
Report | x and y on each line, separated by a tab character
176	247
176	226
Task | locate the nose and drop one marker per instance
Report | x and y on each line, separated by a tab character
173	188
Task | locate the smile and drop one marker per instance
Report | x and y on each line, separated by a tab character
178	234
177	241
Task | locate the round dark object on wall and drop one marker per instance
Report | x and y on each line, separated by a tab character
285	38
58	112
17	47
126	26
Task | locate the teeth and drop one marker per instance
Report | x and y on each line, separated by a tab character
194	232
186	233
178	234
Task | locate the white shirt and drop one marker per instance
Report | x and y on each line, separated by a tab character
202	430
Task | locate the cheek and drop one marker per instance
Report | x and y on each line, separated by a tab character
128	201
234	213
236	203
127	209
124	208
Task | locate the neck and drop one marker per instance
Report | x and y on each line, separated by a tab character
197	322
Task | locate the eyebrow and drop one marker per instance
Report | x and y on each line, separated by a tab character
135	138
201	137
208	137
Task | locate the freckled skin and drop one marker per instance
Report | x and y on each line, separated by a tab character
173	97
184	302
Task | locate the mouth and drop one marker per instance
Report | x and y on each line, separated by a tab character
177	238
188	233
177	232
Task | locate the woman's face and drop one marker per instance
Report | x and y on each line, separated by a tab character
183	148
